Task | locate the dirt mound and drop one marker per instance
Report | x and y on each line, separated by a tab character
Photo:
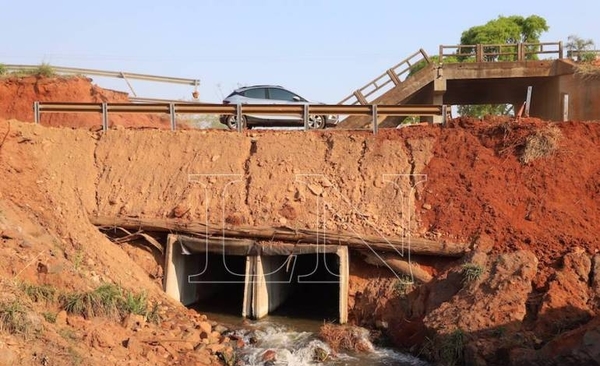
478	185
17	95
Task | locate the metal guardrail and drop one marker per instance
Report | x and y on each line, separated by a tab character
392	77
501	52
104	73
302	110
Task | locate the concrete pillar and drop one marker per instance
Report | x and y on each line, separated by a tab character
342	253
439	89
177	268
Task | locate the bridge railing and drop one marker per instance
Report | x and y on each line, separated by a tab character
386	81
499	52
300	110
580	54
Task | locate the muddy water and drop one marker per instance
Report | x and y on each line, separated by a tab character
295	344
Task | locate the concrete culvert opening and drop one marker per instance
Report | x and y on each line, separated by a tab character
246	278
314	288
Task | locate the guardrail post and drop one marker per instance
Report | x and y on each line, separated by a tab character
374	116
560	49
520	51
479	53
36	112
444	114
238	112
172	115
528	101
104	117
305	116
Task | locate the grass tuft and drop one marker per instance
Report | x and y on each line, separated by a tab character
14	319
39	293
471	272
540	144
452	348
111	301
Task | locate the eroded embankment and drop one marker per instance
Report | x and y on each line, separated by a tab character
468	180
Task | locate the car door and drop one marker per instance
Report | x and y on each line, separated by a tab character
282	96
255	96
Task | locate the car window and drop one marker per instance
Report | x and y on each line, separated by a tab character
280	94
258	93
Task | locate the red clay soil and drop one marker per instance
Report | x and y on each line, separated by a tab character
17	96
476	185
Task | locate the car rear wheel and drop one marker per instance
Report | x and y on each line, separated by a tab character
316	122
232	122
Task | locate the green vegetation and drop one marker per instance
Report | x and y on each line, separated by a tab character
452	348
403	285
44	69
448	348
49	316
39	293
14	319
482	110
505	30
108	300
471	272
580	48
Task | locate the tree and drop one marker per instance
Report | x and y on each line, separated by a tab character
580	47
482	110
505	30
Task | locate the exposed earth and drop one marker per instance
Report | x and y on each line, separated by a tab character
524	195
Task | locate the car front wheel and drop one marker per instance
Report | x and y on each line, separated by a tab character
316	122
232	122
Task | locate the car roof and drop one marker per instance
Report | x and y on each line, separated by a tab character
258	86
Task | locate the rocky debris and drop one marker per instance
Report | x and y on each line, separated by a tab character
346	337
565	305
595	281
577	347
491	304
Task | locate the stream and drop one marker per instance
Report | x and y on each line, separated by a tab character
295	343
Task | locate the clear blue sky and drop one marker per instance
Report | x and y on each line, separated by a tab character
320	49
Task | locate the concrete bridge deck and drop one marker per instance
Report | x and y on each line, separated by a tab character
558	92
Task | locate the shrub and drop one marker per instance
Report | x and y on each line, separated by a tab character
540	144
3	70
44	69
471	272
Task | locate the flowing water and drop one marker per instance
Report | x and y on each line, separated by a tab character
295	343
